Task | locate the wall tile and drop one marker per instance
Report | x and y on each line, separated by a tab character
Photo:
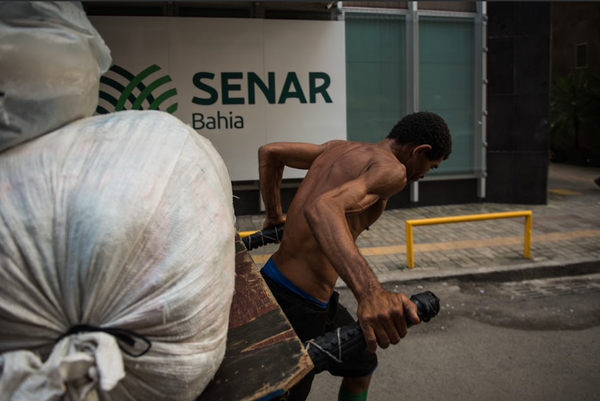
532	65
502	22
500	122
501	65
532	18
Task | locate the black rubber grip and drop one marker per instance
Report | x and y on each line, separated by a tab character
267	236
326	349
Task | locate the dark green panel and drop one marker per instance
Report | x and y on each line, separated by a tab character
375	75
373	123
446	79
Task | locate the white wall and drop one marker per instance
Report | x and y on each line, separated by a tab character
184	47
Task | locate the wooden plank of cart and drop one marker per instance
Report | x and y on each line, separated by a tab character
264	357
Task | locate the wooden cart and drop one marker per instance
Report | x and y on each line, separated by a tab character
264	357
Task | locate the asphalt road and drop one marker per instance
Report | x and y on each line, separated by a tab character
520	341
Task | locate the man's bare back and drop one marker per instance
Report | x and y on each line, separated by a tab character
300	257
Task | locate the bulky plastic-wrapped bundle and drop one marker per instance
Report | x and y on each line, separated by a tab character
51	59
114	229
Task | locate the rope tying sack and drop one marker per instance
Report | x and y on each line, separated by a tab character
126	336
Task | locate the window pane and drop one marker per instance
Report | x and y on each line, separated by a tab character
447	71
375	74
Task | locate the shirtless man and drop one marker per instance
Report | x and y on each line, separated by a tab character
344	192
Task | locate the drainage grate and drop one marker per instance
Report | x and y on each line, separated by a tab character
537	289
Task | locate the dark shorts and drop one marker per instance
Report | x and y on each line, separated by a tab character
311	321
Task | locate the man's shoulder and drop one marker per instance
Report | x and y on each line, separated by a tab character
369	150
387	171
385	160
336	143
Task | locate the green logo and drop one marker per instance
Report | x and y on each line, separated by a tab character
121	90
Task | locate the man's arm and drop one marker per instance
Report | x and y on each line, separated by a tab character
380	313
272	158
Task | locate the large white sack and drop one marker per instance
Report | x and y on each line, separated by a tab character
123	221
51	59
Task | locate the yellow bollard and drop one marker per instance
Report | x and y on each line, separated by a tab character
528	234
410	253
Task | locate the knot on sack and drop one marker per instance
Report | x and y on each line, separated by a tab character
123	336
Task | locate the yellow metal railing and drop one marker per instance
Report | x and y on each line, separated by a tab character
410	252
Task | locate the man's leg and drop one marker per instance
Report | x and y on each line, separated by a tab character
354	389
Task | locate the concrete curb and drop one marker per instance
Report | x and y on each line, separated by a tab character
525	271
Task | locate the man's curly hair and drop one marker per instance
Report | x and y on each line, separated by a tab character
422	128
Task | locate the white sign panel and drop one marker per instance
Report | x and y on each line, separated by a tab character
239	82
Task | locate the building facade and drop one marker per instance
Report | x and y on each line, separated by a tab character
351	70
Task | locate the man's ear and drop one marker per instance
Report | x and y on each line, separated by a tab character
421	149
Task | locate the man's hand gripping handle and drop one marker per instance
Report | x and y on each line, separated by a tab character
348	340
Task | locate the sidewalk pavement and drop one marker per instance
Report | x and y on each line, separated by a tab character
566	237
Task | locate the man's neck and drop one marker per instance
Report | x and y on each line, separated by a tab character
400	152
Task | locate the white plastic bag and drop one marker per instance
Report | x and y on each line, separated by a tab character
122	221
51	60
